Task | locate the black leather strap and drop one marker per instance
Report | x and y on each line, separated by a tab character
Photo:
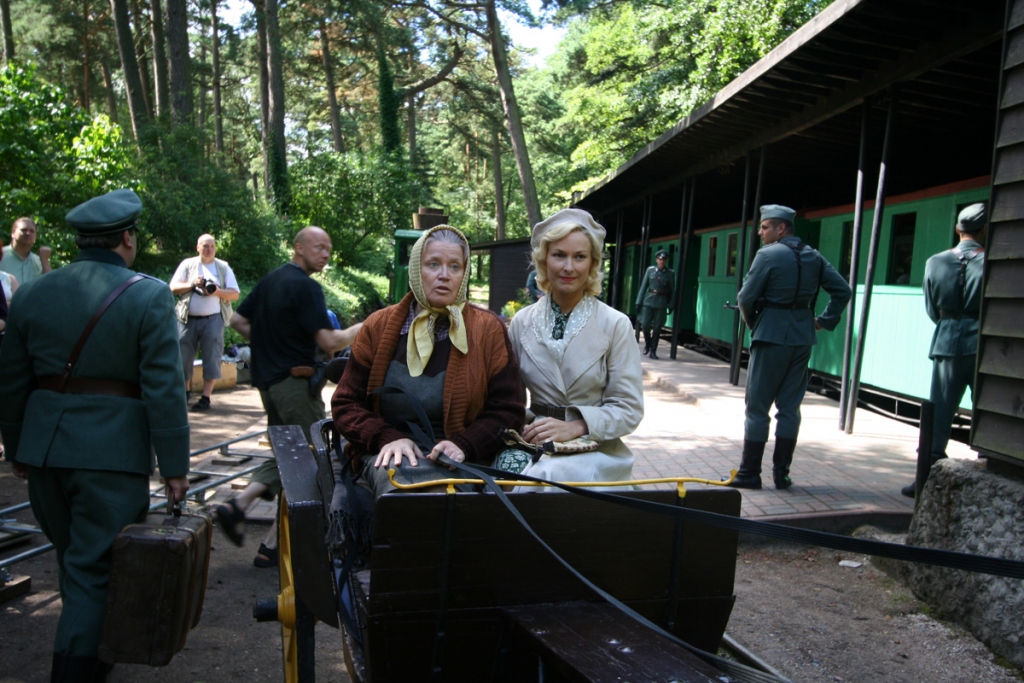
69	366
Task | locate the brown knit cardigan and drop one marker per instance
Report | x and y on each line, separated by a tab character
483	393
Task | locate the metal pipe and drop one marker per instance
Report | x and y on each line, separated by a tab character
681	251
19	506
734	361
876	230
858	220
924	449
747	247
645	242
222	444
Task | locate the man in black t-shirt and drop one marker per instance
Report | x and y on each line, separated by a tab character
285	319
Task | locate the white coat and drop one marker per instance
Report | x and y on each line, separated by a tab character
599	379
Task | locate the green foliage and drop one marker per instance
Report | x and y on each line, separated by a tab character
186	195
52	156
360	199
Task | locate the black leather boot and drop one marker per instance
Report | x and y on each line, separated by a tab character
910	490
782	458
647	344
749	474
78	669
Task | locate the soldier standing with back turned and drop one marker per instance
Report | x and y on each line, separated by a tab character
777	303
84	435
653	301
952	299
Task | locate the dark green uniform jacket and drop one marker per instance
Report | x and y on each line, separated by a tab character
772	280
656	288
135	341
954	307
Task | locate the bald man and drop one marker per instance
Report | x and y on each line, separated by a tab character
205	287
286	320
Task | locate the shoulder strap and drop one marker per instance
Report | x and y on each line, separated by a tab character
797	248
92	323
964	257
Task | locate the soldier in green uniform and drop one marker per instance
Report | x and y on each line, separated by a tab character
952	299
85	440
777	303
654	300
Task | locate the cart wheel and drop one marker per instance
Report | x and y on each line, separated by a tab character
298	643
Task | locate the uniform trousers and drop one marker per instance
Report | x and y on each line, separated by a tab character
951	375
652	319
81	511
287	403
777	374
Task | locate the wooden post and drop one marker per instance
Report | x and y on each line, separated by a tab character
685	234
742	259
734	360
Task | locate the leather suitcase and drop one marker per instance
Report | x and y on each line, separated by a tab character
157	583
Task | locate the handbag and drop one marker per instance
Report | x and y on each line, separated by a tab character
578	445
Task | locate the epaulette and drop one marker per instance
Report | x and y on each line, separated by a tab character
150	277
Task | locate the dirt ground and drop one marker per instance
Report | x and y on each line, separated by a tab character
796	608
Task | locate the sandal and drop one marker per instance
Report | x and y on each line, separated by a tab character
231	517
266	557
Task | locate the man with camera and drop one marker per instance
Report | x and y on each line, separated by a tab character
205	287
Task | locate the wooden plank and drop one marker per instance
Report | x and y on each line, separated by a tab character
1008	202
596	643
1006	240
18	585
1003	395
1003	357
1013	87
1003	318
1004	279
1014	49
999	433
1016	15
1010	164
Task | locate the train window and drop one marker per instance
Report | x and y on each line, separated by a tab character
730	263
901	249
846	254
712	255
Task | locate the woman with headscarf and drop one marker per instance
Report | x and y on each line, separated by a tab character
578	357
433	349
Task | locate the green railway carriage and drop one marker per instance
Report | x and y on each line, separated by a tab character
915	225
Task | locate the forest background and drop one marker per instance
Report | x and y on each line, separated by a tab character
347	114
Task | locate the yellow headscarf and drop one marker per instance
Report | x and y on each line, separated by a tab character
421	333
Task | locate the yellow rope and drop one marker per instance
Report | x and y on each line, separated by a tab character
678	481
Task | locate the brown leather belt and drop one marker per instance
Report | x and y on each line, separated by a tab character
91	385
541	410
302	371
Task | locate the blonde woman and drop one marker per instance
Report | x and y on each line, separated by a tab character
578	358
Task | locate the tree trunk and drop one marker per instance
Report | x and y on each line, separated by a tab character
201	121
218	121
140	55
332	96
108	85
261	34
387	100
499	190
410	127
85	55
515	123
130	68
177	47
278	162
8	31
161	88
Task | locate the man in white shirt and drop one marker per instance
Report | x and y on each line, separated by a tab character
205	287
18	259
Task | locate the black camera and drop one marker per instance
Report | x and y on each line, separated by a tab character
208	287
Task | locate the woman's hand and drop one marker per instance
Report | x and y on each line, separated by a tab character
391	455
545	429
449	449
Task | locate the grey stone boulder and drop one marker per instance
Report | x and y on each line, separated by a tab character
966	508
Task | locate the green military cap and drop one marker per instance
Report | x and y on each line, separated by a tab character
972	218
105	214
778	211
661	254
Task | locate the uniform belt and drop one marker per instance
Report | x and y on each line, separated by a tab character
796	305
302	371
195	317
657	293
91	385
541	410
946	314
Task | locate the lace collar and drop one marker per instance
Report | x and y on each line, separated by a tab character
544	322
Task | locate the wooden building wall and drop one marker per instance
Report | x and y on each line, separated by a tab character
510	264
998	427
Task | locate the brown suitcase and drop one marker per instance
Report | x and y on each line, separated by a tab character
157	582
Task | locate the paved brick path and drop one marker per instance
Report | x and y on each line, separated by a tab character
694	427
